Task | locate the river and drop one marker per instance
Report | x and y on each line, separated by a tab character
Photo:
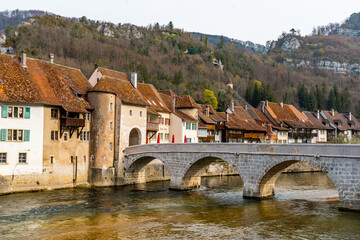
304	208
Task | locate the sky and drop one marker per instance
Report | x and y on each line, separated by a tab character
254	20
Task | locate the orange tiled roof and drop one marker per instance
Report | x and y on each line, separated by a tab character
152	97
167	92
43	82
123	89
112	73
185	101
241	124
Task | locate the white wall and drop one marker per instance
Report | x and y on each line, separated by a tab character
190	133
33	148
282	137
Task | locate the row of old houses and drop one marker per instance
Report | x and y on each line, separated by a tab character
59	128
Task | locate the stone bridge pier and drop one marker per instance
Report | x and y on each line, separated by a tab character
259	165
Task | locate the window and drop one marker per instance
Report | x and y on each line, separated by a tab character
130	113
161	136
111	126
194	126
84	158
141	114
54	113
54	135
15	112
52	160
111	106
188	140
71	159
22	157
188	126
65	137
167	136
10	112
110	146
3	157
18	135
85	136
87	116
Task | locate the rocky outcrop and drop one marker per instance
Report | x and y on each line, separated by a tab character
348	32
337	67
290	44
3	49
105	29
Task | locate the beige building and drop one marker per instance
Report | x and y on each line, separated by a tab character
119	121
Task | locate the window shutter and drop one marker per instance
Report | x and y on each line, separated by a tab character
169	121
27	112
3	134
26	135
4	111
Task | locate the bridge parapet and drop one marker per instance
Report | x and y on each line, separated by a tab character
259	165
341	150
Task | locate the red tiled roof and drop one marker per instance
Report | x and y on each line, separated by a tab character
43	82
151	111
167	92
184	116
341	118
241	124
123	89
318	123
206	119
152	97
185	101
113	73
287	114
229	81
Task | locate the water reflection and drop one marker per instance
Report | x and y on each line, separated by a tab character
150	211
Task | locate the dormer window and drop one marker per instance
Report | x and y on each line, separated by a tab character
0	80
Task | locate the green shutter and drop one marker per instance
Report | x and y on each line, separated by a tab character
27	112
3	134
4	111
26	135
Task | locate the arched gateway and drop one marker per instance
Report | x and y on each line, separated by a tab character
134	137
259	165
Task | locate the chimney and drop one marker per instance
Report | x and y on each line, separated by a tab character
51	58
263	107
23	58
332	112
281	104
207	110
318	114
266	103
349	116
227	116
246	107
232	107
134	79
173	101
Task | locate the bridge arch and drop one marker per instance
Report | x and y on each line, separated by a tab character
273	170
190	175
135	172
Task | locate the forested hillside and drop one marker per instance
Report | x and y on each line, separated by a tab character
170	58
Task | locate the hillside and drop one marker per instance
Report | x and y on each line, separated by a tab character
170	58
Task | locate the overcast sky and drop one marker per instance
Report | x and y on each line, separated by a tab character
254	20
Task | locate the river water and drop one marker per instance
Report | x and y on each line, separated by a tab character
304	208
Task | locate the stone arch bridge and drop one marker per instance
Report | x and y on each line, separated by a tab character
259	165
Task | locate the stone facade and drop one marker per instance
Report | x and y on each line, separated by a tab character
259	165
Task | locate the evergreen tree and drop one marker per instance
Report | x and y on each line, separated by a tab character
256	96
249	92
171	25
331	102
313	103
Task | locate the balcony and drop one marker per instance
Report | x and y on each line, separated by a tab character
208	139
153	127
72	122
302	135
254	135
